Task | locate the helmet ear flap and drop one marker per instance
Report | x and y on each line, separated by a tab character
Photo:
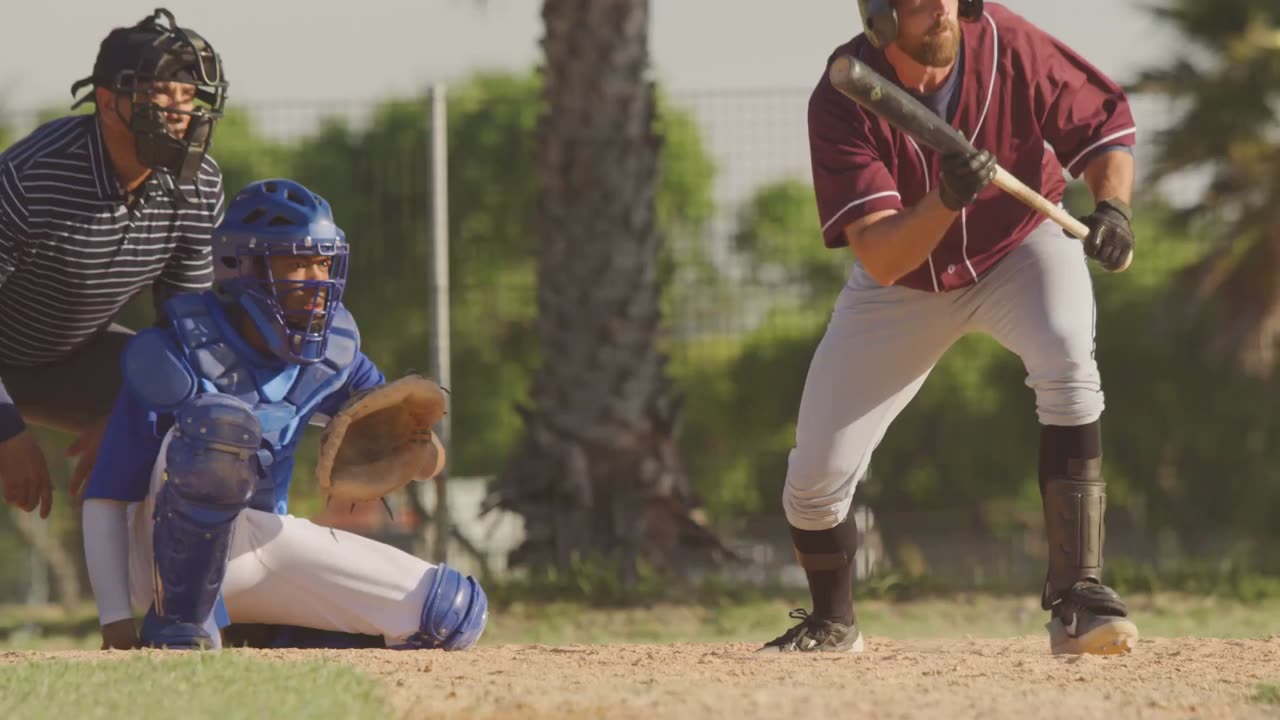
971	10
879	21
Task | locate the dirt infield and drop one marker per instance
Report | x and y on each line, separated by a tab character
1162	678
893	679
1016	678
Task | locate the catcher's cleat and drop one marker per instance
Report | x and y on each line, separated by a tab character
166	634
814	634
1090	619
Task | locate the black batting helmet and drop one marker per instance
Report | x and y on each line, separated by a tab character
880	20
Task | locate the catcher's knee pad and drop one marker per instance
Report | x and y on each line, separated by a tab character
212	458
211	469
455	611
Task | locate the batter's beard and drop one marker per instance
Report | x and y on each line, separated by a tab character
932	51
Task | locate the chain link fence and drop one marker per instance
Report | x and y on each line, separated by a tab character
750	290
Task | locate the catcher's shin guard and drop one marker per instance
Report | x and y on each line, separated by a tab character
210	474
454	614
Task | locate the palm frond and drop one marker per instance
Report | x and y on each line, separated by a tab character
1227	126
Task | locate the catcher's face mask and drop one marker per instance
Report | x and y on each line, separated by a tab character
297	290
303	285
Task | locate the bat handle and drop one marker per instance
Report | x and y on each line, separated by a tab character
1034	200
1040	204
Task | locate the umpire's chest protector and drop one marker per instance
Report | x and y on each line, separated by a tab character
215	359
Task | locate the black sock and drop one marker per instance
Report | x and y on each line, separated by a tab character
827	559
1062	447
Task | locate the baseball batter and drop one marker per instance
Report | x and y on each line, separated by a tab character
186	513
941	253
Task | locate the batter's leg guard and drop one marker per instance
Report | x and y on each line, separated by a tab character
827	558
1085	615
210	474
454	614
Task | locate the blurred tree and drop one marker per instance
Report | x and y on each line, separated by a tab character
598	472
1227	82
244	155
778	231
376	177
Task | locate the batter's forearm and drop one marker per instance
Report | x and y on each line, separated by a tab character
891	245
1110	175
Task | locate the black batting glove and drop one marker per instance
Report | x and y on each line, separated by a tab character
964	176
1110	240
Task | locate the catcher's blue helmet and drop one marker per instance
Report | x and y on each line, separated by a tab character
281	217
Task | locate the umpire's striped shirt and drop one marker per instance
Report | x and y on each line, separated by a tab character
74	250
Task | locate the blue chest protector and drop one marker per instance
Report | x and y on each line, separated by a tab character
212	358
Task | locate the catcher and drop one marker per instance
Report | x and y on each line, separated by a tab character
186	513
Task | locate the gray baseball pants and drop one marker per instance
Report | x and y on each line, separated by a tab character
882	342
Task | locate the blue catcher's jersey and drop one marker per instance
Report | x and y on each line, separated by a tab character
204	353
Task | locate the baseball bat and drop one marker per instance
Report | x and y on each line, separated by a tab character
868	88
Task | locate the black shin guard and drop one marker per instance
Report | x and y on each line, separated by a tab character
827	559
1074	496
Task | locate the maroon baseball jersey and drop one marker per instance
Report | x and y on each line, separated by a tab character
1019	88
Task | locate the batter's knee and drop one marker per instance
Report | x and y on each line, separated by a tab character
1068	392
455	612
817	496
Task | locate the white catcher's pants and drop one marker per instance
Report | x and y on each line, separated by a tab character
287	570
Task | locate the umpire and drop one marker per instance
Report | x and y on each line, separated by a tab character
93	209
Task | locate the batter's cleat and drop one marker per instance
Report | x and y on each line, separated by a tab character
1090	619
814	634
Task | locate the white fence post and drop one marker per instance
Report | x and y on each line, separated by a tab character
440	366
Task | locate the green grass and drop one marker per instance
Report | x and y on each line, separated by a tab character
1165	615
750	619
192	686
1268	694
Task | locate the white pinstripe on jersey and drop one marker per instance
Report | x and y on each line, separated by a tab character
73	253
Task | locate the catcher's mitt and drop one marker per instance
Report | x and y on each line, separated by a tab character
381	440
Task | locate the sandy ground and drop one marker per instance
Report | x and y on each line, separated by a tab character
1015	678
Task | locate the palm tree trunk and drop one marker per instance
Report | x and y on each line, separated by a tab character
598	472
